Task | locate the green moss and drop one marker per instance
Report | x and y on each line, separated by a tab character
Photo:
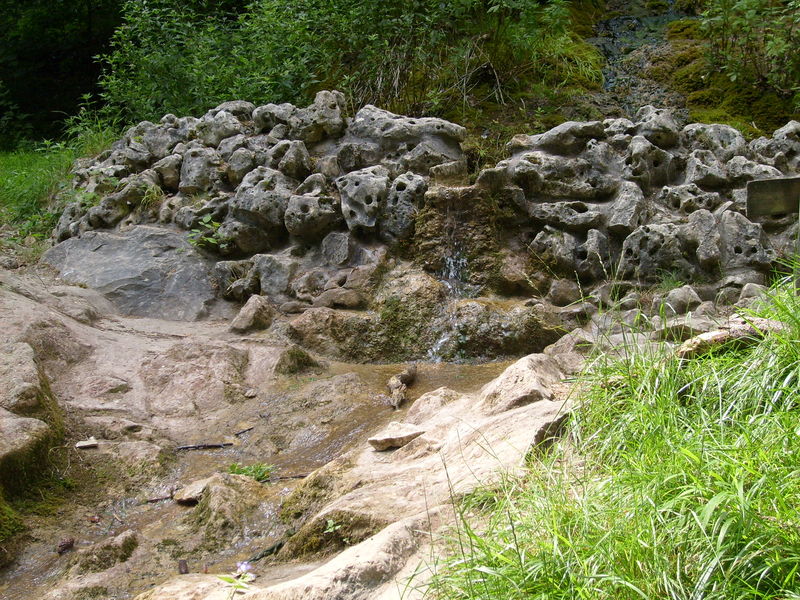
10	524
310	494
690	78
684	29
95	592
108	555
295	360
400	326
333	532
710	95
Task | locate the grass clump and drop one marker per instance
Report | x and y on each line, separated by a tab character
259	471
31	178
677	479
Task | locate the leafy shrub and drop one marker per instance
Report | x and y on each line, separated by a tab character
757	42
419	56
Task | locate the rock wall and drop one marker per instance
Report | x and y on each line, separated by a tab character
319	212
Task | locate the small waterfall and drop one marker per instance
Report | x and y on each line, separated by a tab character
453	275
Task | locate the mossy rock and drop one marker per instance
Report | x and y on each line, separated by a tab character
105	555
684	29
331	532
295	360
314	491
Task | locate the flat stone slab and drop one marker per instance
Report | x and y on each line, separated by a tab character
191	493
396	435
145	272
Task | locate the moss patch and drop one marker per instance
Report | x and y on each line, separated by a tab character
331	533
710	95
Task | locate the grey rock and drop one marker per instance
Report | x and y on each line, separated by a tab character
543	176
338	248
147	271
169	171
257	313
705	169
212	129
275	272
290	158
628	210
570	216
741	170
658	125
231	144
363	195
200	171
564	292
678	301
309	285
688	198
652	250
397	219
566	139
702	233
261	201
647	164
240	163
311	217
569	255
241	109
743	244
723	141
752	291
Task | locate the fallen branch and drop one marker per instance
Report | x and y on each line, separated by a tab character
204	446
283	477
737	333
243	431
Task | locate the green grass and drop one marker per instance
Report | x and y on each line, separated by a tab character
30	178
258	471
677	480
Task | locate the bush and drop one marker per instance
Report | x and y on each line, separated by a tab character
757	42
416	57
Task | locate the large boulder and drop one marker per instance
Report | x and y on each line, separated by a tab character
147	271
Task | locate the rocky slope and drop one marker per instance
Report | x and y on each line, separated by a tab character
236	271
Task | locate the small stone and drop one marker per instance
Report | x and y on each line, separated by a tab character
86	444
190	494
250	393
396	435
65	545
257	313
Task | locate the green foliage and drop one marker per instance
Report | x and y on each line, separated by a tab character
258	471
678	479
419	57
206	233
30	179
756	42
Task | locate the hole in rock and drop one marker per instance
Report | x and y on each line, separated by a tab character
400	186
737	249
